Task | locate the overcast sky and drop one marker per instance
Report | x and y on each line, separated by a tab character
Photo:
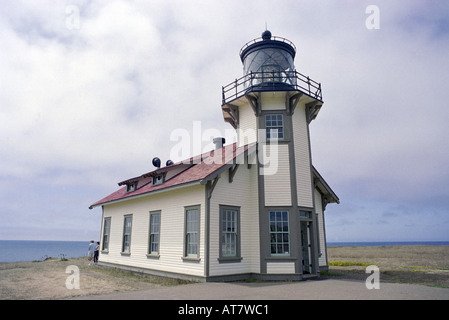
91	91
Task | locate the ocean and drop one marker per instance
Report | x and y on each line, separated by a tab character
387	243
27	250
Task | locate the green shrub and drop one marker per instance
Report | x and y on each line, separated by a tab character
349	263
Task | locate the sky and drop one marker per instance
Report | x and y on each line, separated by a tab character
92	91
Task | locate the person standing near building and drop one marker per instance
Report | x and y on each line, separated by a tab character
90	251
96	252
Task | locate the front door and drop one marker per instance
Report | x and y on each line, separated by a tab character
305	245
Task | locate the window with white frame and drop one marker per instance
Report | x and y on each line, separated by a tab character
126	244
279	233
274	126
106	231
230	232
154	234
192	228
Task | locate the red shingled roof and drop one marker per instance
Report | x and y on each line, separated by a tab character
197	169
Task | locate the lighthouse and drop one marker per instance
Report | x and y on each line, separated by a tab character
252	209
272	105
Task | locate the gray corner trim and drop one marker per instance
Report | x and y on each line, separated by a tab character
314	229
295	236
207	196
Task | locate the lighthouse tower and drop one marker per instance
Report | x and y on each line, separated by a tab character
272	105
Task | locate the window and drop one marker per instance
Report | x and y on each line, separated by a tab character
155	223
229	232
192	228
106	230
279	234
159	179
274	126
305	214
130	187
271	73
126	245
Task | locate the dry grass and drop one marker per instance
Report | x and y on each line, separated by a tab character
427	265
47	280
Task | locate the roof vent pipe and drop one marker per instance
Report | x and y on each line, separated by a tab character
219	142
156	162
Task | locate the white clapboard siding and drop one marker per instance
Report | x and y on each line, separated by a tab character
277	175
280	267
171	204
247	129
270	101
302	157
243	193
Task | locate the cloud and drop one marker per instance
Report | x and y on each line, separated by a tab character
383	123
86	105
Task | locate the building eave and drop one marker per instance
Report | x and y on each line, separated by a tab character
152	192
324	187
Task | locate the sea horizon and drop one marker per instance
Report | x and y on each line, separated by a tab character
39	250
384	243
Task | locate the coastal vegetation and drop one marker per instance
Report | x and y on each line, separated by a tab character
414	264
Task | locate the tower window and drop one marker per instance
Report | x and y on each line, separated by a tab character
279	233
274	126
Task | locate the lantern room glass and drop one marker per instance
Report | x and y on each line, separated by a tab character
269	65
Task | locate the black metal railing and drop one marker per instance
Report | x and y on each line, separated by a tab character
275	38
271	81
